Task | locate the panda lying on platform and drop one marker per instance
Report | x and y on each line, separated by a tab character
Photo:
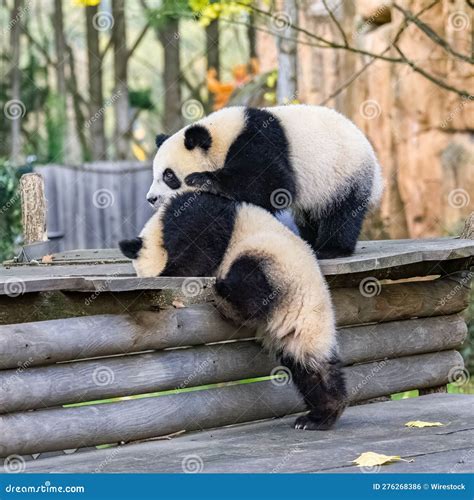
308	157
267	278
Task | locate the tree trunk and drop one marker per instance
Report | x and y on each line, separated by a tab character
120	94
15	109
168	36
96	101
287	68
252	37
212	46
76	102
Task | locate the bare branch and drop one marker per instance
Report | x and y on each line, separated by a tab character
336	22
428	31
138	41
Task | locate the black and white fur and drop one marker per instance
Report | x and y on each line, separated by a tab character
308	157
267	278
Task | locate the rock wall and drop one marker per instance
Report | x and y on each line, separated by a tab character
423	134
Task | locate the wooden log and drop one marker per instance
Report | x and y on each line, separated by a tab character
46	342
33	208
66	428
32	388
370	302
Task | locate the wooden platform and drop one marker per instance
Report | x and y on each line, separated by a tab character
92	270
274	446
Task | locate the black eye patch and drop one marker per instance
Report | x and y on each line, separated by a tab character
170	179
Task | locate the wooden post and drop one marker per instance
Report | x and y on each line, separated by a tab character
468	231
33	208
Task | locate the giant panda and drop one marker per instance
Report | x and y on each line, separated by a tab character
266	278
308	157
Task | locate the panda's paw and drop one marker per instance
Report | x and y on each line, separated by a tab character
307	423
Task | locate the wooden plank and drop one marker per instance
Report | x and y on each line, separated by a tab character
274	446
32	388
373	303
66	428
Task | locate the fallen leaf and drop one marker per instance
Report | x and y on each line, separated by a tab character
369	459
47	259
420	423
177	304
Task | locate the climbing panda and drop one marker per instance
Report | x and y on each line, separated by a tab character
309	158
267	278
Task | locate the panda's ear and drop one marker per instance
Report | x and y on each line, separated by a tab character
160	139
131	248
197	135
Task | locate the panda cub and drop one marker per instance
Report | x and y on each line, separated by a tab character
309	158
266	278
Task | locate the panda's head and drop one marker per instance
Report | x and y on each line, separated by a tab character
181	163
147	251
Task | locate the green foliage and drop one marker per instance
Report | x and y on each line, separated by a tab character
141	99
10	213
170	9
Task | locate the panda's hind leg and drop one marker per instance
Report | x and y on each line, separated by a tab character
323	388
334	232
245	294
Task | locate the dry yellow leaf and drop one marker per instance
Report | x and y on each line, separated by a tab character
369	459
47	259
420	423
